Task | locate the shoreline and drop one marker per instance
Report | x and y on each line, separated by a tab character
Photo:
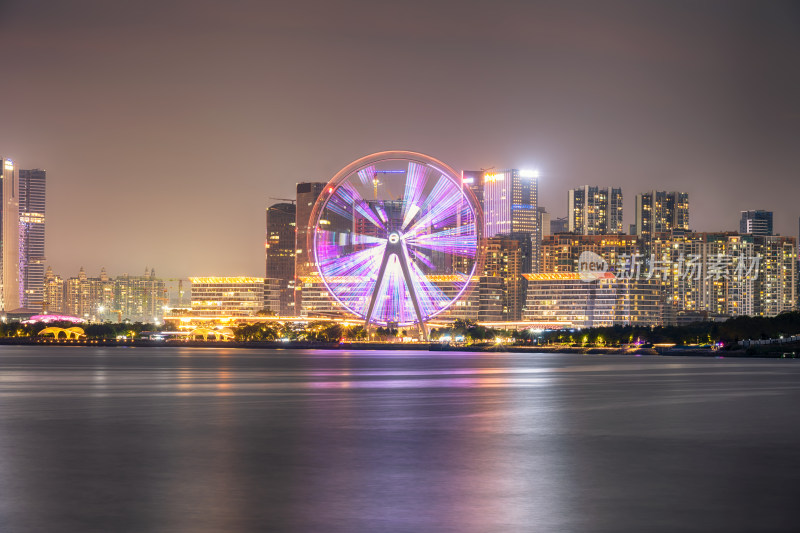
787	351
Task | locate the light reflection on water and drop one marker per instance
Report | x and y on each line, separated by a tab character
195	440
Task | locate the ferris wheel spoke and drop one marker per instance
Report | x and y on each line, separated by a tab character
441	208
431	298
391	295
367	175
360	263
458	241
351	197
416	179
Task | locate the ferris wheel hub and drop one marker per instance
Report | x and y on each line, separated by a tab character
394	237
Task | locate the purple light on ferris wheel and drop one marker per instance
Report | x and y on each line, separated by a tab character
396	238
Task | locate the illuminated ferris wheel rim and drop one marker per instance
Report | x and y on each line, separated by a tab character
444	170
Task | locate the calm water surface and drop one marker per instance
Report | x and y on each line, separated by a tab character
227	440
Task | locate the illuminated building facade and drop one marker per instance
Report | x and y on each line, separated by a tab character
213	297
757	222
316	299
510	206
274	290
307	194
560	252
500	287
280	252
595	210
661	212
139	298
102	298
9	236
31	237
568	300
53	293
87	298
776	286
728	274
510	199
706	273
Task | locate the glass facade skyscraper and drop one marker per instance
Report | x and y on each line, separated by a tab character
510	206
31	237
280	252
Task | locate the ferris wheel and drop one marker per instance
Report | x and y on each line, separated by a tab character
396	238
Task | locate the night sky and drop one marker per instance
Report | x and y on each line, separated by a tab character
165	126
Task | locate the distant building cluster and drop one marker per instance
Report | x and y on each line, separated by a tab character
103	298
532	262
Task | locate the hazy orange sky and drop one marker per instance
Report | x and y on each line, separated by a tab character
165	127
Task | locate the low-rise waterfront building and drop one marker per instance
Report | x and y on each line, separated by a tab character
569	299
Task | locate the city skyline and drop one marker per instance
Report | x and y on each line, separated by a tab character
136	136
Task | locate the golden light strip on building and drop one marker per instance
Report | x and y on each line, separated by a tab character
227	280
566	276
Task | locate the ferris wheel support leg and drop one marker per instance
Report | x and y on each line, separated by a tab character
403	257
398	250
375	291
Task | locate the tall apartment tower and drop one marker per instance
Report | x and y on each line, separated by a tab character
661	212
510	206
307	194
279	251
9	236
756	222
31	237
595	210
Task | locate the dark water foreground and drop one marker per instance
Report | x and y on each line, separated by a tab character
226	440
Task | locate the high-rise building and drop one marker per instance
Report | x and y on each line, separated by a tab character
757	222
543	223
138	298
510	199
280	253
776	285
102	298
305	271
53	293
661	212
31	237
9	236
728	274
712	273
88	298
500	287
595	210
